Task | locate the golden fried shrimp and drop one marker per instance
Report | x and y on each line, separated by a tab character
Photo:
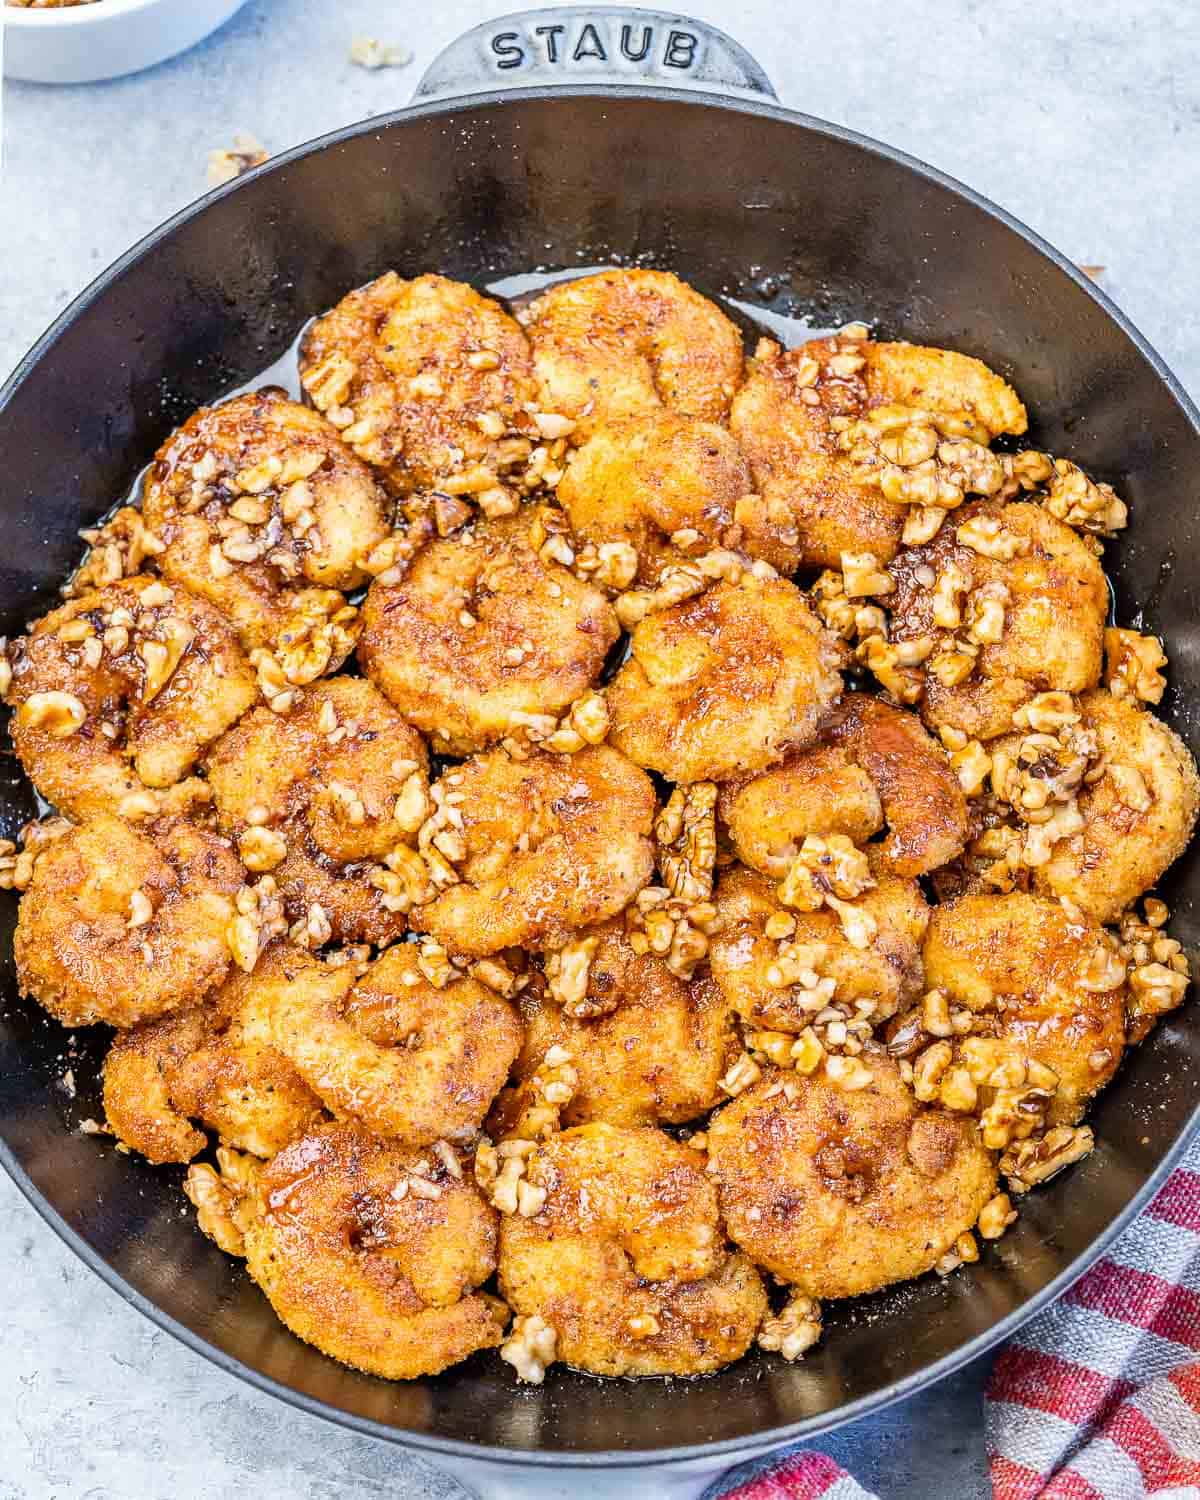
215	1064
137	1094
842	1191
389	1048
821	790
845	433
725	682
118	693
664	483
1138	817
321	797
482	634
549	845
654	1048
372	1252
1046	983
626	343
624	1256
1004	603
783	969
123	925
264	512
427	380
877	767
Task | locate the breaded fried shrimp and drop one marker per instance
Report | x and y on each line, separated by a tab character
993	627
625	1258
724	683
215	1064
264	512
1138	817
842	1191
785	981
876	767
321	797
655	1050
372	1252
647	480
405	1058
122	925
550	844
428	382
118	693
481	634
846	434
626	343
1044	982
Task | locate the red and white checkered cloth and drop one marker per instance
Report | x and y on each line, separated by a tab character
1097	1398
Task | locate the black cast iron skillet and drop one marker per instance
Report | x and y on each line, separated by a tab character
742	198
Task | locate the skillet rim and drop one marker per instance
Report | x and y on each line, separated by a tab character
807	1427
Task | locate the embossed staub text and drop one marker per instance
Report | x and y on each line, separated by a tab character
599	40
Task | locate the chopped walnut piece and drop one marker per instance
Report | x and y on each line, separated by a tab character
1042	1157
995	1216
863	573
1072	497
1132	665
567	971
794	1330
672	927
370	52
686	834
225	165
530	1348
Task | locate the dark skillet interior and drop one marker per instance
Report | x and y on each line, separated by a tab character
739	200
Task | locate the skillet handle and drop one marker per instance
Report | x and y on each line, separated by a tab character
606	44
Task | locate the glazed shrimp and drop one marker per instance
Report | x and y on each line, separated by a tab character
215	1064
1046	984
840	1191
1004	603
783	969
118	693
845	433
428	382
1137	817
482	634
648	1048
404	1057
262	510
121	925
664	484
368	1250
624	1256
725	682
626	343
876	768
548	845
323	797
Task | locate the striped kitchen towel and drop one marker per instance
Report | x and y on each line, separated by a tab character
1097	1398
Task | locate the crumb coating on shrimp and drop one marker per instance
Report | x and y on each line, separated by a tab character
724	683
627	1260
425	379
552	844
118	693
122	925
375	1272
840	1192
482	631
257	500
320	797
627	343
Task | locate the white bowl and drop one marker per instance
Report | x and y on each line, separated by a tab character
84	43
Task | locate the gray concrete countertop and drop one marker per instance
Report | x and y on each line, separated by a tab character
1080	117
